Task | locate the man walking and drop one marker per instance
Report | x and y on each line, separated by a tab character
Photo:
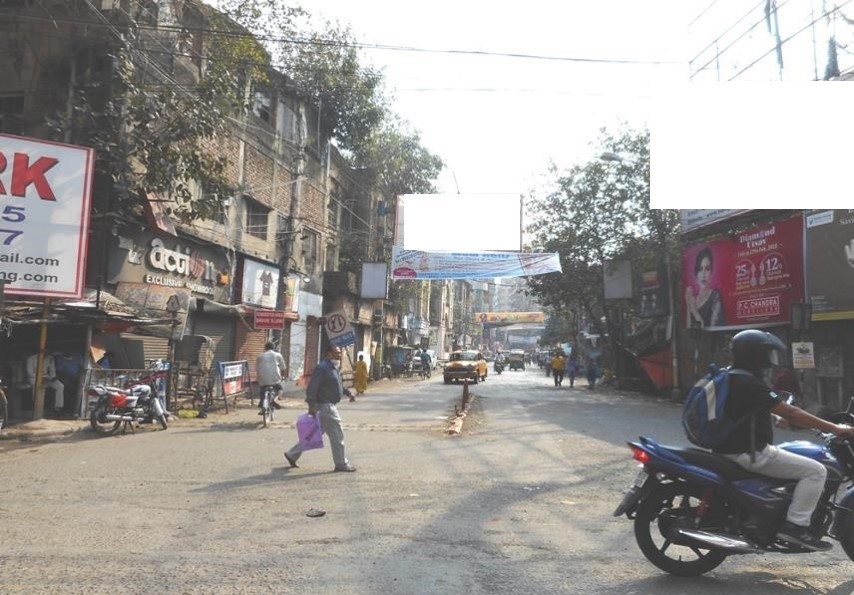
324	391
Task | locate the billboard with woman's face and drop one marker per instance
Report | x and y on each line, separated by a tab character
744	280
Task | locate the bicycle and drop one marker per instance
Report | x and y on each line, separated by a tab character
4	407
268	394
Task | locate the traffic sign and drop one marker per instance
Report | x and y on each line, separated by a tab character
338	330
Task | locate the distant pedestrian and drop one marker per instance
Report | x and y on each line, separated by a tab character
592	373
360	376
323	394
558	365
572	370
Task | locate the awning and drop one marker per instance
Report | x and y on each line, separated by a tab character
96	308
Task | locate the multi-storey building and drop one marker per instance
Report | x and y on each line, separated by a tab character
273	246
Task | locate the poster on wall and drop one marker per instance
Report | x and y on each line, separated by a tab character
744	280
260	283
830	264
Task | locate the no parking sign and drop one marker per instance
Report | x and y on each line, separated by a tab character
338	330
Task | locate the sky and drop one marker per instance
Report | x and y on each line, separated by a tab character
497	121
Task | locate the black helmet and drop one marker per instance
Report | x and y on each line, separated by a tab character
755	350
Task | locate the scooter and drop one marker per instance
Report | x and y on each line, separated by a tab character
498	367
692	508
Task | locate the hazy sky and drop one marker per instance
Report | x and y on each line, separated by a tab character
498	121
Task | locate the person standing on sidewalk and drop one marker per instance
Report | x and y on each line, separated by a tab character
323	394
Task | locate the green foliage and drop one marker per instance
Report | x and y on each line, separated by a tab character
400	163
597	212
326	66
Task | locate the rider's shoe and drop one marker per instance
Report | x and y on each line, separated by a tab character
798	535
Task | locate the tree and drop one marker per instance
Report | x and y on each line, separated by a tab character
153	112
597	212
349	95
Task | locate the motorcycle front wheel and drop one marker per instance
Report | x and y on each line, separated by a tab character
102	426
667	507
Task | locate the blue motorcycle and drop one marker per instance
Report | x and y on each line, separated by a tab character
692	508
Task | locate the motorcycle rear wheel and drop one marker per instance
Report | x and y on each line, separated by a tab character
680	560
101	426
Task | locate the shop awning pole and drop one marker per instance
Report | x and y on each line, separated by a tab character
38	388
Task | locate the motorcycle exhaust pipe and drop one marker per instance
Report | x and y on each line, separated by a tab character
718	541
112	417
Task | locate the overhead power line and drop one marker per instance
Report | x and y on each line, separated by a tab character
358	45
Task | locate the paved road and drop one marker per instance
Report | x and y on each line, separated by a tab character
519	503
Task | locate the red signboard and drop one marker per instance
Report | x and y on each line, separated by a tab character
269	319
746	279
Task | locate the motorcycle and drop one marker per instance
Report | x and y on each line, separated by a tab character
498	367
116	407
692	508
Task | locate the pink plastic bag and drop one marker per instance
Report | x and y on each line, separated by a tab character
309	432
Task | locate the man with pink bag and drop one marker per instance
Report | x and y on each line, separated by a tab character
324	391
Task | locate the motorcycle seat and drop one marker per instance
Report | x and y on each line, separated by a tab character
709	460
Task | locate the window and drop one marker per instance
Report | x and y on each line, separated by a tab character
261	105
286	123
332	206
11	110
309	251
331	260
256	218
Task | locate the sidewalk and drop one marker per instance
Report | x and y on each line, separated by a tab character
45	430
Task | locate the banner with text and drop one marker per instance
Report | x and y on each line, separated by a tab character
418	264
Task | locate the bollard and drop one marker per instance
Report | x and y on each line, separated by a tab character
465	393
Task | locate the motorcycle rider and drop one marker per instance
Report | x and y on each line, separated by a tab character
751	443
270	369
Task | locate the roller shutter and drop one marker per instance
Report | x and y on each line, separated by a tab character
250	344
153	348
218	328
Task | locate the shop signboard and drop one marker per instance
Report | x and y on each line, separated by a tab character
747	279
44	217
169	263
830	264
268	319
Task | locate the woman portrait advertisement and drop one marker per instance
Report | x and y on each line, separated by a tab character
703	303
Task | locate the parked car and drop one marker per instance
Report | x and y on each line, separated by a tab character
465	364
516	359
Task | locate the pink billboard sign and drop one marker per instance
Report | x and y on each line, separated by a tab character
744	280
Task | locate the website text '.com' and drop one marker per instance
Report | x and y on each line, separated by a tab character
12	277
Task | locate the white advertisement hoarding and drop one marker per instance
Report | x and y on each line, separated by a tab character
459	222
44	216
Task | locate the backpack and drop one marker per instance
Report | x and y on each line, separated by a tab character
703	414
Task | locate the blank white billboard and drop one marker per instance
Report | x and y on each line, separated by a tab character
459	222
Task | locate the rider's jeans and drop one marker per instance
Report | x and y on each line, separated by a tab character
774	462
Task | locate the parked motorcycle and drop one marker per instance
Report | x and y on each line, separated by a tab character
116	407
692	508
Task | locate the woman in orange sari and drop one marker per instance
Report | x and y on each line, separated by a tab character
361	375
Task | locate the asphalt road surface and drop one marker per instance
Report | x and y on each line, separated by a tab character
519	503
